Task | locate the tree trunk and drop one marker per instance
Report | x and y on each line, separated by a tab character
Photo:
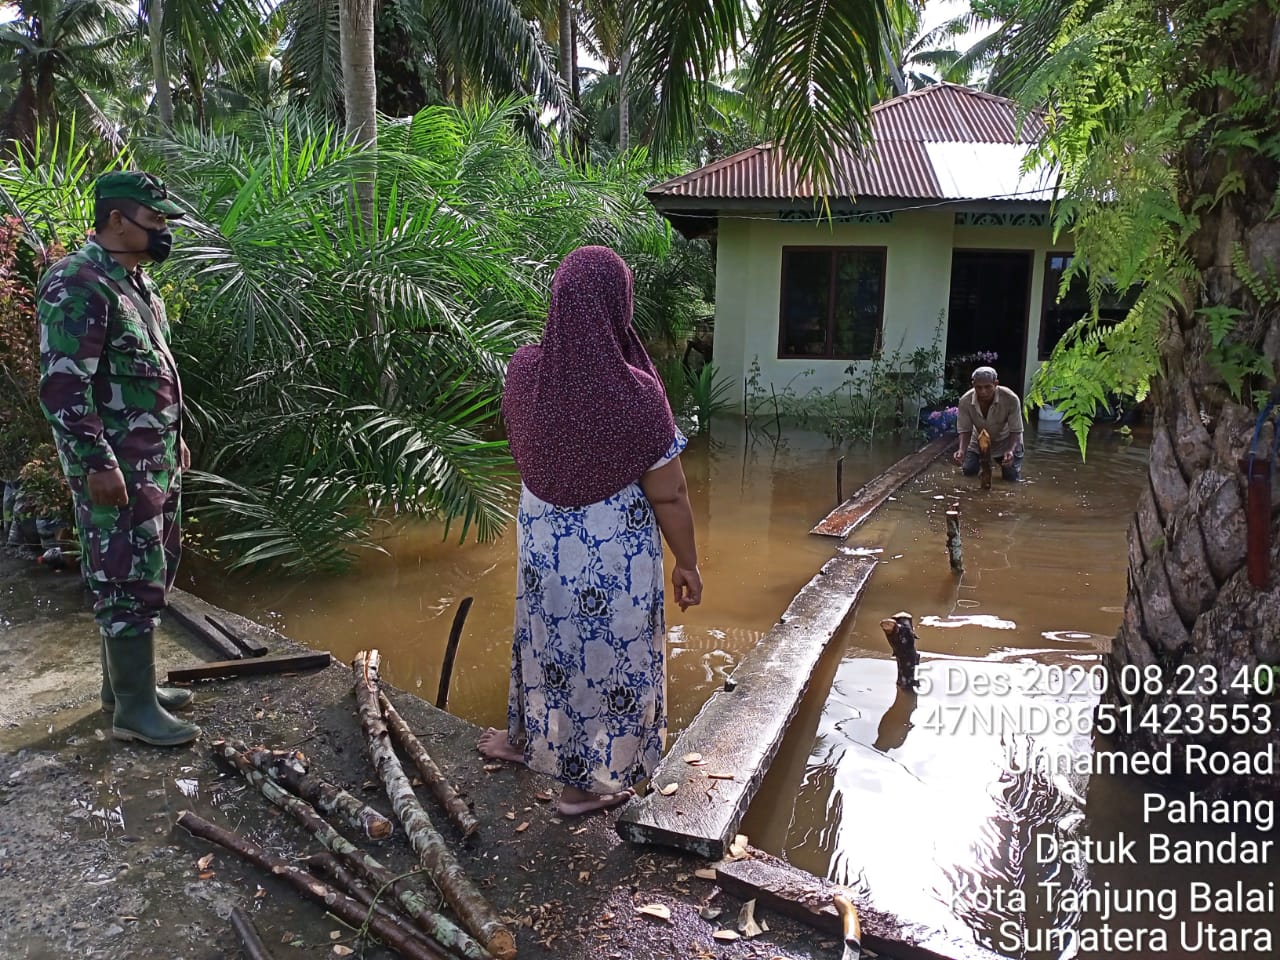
624	76
159	62
566	43
360	105
1193	624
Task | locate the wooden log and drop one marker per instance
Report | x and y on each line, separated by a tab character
326	864
247	934
436	926
739	732
456	808
227	669
984	459
450	652
778	886
328	798
841	521
476	913
337	903
955	550
250	648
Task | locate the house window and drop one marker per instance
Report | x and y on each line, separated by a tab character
1057	316
832	302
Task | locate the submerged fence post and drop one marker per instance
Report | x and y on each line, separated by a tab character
954	549
898	630
840	480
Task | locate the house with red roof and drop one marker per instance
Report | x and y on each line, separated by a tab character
935	223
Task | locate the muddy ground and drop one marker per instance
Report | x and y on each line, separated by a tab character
93	866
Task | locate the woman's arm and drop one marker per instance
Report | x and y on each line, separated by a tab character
668	494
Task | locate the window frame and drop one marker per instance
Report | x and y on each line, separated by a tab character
832	250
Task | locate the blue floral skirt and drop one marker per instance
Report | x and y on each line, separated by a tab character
587	665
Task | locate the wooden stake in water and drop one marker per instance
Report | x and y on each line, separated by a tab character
954	550
984	459
840	480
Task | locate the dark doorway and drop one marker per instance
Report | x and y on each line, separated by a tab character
987	313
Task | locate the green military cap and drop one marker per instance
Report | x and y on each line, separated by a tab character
146	189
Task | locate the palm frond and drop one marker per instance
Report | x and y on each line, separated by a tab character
806	52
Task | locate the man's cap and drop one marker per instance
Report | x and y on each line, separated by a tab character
143	188
985	375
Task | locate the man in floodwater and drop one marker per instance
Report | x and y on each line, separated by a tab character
996	409
110	388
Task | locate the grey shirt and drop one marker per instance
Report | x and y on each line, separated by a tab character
1003	420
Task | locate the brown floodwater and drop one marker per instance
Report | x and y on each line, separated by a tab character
958	807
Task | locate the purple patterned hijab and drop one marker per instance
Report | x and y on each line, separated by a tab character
586	411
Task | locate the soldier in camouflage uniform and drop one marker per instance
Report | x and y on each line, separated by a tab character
110	388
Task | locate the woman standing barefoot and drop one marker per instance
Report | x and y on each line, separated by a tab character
599	459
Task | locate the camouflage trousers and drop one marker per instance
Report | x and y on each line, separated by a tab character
129	555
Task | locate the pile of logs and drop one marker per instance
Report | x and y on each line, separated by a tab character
349	881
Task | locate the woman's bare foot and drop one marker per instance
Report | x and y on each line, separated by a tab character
575	802
493	743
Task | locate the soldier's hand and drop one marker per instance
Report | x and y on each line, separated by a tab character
107	489
184	456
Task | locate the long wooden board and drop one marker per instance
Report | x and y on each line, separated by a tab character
198	618
738	732
250	666
776	885
841	521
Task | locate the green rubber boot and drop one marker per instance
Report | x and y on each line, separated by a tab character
171	698
138	716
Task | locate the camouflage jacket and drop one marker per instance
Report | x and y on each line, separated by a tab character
108	383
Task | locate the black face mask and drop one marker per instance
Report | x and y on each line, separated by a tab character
159	240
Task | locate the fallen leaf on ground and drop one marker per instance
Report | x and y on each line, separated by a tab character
669	789
725	935
546	796
524	825
203	862
342	951
584	876
659	910
691	757
747	920
510	814
490	767
710	913
260	893
705	873
335	934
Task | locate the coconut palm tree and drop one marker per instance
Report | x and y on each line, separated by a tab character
199	42
482	45
61	59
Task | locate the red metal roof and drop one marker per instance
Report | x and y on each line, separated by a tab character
897	163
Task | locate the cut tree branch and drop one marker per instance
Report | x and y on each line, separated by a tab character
337	903
432	776
438	927
476	913
330	799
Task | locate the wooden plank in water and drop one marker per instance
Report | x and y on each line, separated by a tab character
250	666
778	886
738	732
841	521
